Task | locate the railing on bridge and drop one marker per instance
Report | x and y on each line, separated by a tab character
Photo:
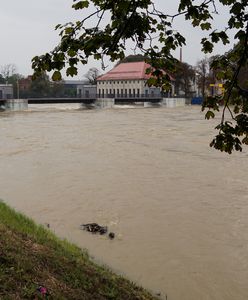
107	100
92	98
22	104
138	98
88	100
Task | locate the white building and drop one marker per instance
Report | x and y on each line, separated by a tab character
126	80
80	88
6	91
86	90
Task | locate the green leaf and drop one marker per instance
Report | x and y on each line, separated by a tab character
209	115
56	76
236	8
81	5
71	52
71	71
206	26
245	140
207	46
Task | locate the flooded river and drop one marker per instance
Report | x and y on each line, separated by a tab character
179	208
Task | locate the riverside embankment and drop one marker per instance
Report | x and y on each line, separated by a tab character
35	264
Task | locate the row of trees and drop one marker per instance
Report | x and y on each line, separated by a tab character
201	76
24	87
42	86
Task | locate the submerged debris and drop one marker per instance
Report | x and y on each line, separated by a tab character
96	228
111	235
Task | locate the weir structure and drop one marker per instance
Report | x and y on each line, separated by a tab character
105	102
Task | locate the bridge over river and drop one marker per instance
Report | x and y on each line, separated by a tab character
19	104
90	100
87	100
22	104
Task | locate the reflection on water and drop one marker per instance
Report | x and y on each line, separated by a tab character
178	208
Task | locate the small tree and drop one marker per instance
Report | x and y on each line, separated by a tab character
40	86
92	75
7	71
14	80
2	80
57	89
184	79
203	75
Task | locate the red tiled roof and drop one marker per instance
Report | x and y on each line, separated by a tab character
130	70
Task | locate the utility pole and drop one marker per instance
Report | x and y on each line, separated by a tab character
17	88
181	54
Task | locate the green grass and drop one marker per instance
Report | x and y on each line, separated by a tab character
32	256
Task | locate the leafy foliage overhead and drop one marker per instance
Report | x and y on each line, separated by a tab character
152	33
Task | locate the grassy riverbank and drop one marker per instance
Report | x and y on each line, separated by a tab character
32	257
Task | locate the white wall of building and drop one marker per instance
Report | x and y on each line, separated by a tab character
6	91
121	87
86	90
124	88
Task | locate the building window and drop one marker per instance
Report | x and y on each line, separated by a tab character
126	93
125	81
117	82
134	92
110	91
114	92
99	92
138	92
130	92
118	92
121	92
103	93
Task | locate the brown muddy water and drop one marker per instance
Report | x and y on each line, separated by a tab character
179	208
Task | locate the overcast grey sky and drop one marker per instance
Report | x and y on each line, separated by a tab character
28	30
